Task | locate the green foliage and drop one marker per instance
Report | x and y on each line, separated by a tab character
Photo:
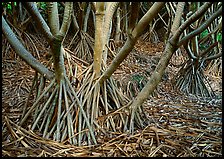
8	6
219	37
42	5
204	33
137	78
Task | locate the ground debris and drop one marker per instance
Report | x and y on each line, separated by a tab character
178	125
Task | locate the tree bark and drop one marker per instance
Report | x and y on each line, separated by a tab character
86	18
53	17
118	25
170	48
202	27
111	8
66	18
177	18
159	71
98	47
125	50
147	18
191	19
156	76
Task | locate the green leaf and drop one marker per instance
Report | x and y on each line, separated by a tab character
204	33
219	37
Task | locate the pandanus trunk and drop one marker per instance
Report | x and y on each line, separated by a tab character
56	44
98	47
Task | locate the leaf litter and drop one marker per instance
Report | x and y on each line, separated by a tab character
178	125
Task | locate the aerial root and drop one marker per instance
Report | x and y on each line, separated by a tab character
192	80
57	113
66	115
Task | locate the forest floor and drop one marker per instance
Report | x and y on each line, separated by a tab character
179	125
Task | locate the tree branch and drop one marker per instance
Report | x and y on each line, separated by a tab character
132	38
201	28
201	54
32	9
144	21
190	20
74	20
23	53
66	18
176	21
110	10
53	17
213	56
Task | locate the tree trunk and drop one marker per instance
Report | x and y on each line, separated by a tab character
66	18
159	71
85	23
98	47
56	44
57	53
125	50
153	81
110	9
171	47
33	10
118	25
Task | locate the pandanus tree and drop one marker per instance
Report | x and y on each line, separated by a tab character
200	50
213	35
53	116
106	107
82	43
174	42
60	111
135	30
63	112
99	98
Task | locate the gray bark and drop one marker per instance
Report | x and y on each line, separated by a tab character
23	53
32	9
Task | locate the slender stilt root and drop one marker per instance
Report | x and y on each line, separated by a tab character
58	112
191	79
82	45
64	115
106	106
